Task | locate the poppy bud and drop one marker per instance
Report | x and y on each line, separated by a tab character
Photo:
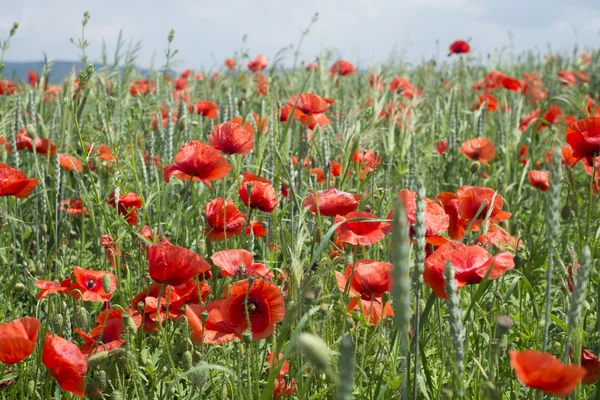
198	378
181	124
201	245
247	337
204	316
106	283
57	322
566	213
80	319
19	288
474	167
187	361
315	350
140	305
129	323
97	359
318	235
503	325
30	129
116	395
101	380
385	298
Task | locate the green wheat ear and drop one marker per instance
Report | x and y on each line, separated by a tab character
456	328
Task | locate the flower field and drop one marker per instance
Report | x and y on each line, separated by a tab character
329	231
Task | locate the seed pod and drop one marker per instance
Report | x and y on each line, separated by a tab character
106	283
97	359
116	395
101	380
57	322
187	361
129	323
474	167
80	318
19	288
566	213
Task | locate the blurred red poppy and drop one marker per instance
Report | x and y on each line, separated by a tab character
87	285
239	262
17	339
331	202
128	205
591	364
459	47
584	138
66	362
258	64
207	109
33	78
261	304
403	87
262	196
479	149
366	160
224	220
199	162
567	78
544	372
15	183
230	63
471	264
376	82
341	67
69	163
73	207
308	103
489	99
257	228
539	179
174	265
441	147
363	233
231	138
451	204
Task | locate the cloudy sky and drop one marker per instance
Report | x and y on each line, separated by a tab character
364	31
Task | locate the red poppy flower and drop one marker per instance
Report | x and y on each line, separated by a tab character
174	265
479	149
262	196
363	233
69	163
22	141
262	304
207	109
17	339
73	207
539	180
33	78
239	262
459	47
498	238
335	168
258	64
215	330
89	284
15	183
48	287
376	82
252	177
451	204
402	86
231	138
490	99
224	220
331	202
511	84
43	146
471	264
319	173
197	161
367	161
104	153
567	78
471	199
66	362
257	229
307	103
230	63
584	138
261	84
591	364
441	147
285	364
106	336
341	67
128	206
436	219
544	372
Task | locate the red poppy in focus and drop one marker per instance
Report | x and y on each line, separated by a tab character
207	109
584	138
106	336
451	204
69	163
459	47
262	196
331	202
436	219
365	281
441	147
539	179
197	161
224	220
231	138
567	78
15	183
258	64
73	207
262	304
66	362
47	287
341	68
89	283
239	262
230	63
363	233
471	264
174	265
471	199
128	206
33	78
479	149
544	372
215	330
17	339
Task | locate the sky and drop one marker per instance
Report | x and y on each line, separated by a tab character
366	32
